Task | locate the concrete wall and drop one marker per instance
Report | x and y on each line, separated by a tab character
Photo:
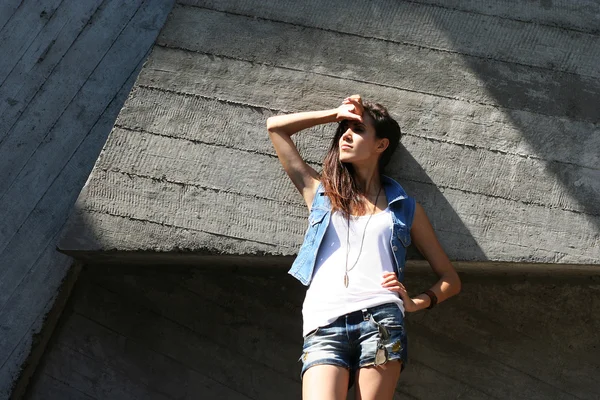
176	332
66	68
498	102
498	106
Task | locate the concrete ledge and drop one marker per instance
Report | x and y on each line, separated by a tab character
252	264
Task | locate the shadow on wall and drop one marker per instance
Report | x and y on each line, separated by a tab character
543	71
450	228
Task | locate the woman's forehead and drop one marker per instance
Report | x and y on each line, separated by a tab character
367	121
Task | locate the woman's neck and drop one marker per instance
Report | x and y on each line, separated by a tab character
367	178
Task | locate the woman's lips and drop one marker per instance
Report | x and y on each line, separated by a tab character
345	147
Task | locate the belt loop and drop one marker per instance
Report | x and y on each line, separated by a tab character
366	315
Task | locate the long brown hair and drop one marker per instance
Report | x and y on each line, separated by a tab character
338	178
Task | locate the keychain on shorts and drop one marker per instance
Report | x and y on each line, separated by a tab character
381	355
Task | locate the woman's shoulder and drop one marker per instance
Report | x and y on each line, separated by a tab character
394	190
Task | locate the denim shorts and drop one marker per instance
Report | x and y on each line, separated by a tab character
359	339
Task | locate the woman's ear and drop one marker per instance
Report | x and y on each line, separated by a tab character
382	145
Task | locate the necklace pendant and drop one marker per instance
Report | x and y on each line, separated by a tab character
346	280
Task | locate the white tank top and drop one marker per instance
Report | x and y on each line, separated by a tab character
327	298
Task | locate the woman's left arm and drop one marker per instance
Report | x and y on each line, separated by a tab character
424	238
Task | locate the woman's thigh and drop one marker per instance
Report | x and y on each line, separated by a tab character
325	382
327	345
378	382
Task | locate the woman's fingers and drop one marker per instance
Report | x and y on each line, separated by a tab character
346	111
358	107
389	276
391	282
356	102
356	97
351	116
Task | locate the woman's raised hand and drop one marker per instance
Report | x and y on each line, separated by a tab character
391	282
351	108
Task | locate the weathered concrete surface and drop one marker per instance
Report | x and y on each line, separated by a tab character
582	15
65	71
498	101
500	115
436	26
188	332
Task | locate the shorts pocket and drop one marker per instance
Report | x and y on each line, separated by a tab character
390	317
311	334
309	341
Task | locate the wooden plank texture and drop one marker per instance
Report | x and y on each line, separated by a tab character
7	10
40	59
71	71
52	207
27	134
22	29
78	118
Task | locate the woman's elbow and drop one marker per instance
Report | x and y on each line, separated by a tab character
273	124
269	124
453	283
456	284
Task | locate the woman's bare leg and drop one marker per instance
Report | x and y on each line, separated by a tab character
325	382
378	382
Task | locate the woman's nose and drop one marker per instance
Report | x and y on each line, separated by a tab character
347	136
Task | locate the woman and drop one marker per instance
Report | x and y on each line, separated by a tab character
353	253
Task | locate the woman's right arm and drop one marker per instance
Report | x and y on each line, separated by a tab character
281	127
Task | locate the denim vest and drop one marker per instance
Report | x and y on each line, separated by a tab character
403	211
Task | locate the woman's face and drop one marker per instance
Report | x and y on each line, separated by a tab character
358	144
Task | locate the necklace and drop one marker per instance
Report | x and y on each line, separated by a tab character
362	241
